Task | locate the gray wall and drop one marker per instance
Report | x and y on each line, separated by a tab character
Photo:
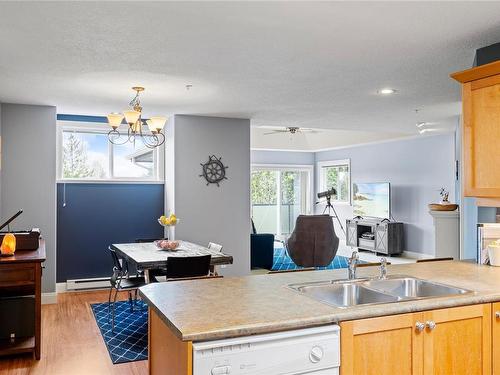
211	213
416	169
282	157
29	174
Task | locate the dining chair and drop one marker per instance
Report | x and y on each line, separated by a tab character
214	246
182	267
121	281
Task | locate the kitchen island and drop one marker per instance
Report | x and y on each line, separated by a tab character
193	311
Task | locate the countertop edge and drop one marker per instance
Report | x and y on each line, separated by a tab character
338	315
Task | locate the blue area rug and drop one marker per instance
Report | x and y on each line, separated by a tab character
129	342
283	262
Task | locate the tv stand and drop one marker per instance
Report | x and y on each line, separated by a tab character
387	236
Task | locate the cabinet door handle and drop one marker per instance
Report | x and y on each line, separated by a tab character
420	326
431	324
497	314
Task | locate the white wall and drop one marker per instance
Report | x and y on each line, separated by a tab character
29	175
282	157
211	213
416	168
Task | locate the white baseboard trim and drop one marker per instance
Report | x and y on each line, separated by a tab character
82	285
49	298
415	255
61	288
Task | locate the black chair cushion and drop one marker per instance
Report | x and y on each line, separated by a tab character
132	282
179	267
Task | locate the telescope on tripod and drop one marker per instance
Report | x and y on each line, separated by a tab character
329	207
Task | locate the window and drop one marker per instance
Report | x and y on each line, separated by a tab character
86	154
279	194
336	174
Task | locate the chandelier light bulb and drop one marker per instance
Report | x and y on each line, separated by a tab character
115	119
151	126
158	122
131	116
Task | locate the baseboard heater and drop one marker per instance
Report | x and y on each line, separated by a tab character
94	283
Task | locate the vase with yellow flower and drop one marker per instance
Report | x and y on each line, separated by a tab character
169	222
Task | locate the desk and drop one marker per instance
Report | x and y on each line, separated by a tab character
20	291
147	256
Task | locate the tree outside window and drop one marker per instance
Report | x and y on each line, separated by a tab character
337	177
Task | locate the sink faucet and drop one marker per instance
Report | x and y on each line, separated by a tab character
383	268
352	264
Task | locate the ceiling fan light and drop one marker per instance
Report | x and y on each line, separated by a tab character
115	119
158	122
131	116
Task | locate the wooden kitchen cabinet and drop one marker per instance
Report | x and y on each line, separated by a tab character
495	337
384	345
480	130
450	341
460	342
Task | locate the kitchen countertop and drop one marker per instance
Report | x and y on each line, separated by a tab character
239	306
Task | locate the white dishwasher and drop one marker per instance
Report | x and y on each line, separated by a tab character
306	351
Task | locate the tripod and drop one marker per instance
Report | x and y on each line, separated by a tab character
329	207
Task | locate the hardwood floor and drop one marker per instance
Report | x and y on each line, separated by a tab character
71	342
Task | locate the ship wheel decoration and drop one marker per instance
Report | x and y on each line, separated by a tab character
214	170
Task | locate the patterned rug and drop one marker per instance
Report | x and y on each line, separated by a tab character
129	342
283	262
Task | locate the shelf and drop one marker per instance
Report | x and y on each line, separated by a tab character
16	346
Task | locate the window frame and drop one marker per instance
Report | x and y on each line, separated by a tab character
321	183
102	128
309	198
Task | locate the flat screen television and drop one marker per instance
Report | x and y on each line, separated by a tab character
372	199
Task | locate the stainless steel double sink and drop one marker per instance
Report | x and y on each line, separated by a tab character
347	293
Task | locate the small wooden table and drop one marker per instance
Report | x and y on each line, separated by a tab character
147	256
21	276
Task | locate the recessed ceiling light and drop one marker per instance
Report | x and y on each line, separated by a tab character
421	124
422	131
386	91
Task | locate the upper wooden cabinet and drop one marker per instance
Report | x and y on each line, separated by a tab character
481	130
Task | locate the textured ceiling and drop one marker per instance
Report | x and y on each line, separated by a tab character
308	64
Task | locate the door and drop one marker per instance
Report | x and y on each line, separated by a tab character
495	337
278	196
384	345
458	341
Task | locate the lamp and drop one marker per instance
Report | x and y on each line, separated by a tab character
8	246
131	116
115	119
135	122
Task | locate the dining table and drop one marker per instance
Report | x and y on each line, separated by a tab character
148	256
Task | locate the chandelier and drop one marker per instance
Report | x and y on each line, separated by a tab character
152	137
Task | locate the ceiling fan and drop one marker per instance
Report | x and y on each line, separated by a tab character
291	130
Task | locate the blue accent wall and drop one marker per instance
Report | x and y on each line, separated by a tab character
81	118
97	215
